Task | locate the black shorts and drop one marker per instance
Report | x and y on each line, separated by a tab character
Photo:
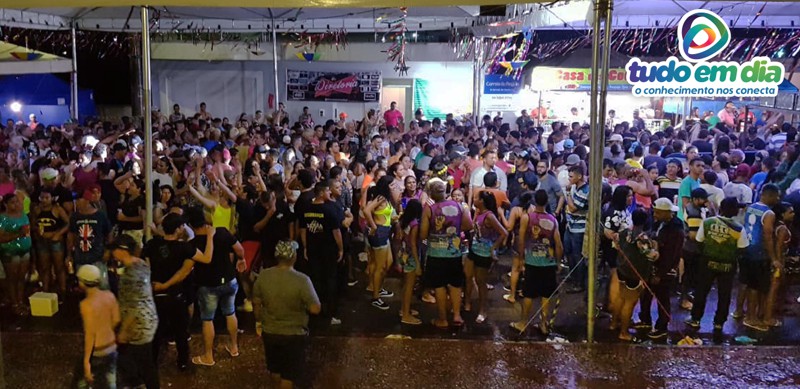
442	272
755	274
540	281
479	261
286	355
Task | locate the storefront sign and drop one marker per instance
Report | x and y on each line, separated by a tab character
500	84
577	79
701	36
328	86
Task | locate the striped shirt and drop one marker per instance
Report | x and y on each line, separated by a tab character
668	188
576	221
777	141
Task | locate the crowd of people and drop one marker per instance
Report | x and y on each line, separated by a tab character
285	212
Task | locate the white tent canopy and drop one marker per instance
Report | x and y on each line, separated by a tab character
240	19
561	15
19	60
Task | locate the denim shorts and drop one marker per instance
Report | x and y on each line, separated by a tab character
381	237
8	258
224	296
49	247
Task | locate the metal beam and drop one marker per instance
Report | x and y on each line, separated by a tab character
148	122
73	80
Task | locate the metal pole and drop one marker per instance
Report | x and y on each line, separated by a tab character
477	67
603	75
74	76
595	165
148	123
275	64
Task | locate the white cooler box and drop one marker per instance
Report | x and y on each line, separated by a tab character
44	304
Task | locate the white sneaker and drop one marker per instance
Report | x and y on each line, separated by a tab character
335	321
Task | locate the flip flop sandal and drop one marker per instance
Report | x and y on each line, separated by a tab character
415	322
458	323
230	353
433	322
507	297
199	361
413	312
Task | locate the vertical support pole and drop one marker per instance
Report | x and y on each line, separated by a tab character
603	75
595	165
477	67
148	122
73	81
275	64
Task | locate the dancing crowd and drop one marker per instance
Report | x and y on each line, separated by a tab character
281	213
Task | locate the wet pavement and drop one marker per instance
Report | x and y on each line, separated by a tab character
48	360
360	319
489	355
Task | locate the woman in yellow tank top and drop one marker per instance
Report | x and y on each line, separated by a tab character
218	203
379	214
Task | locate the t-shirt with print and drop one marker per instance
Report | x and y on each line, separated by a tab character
136	301
221	269
319	221
285	295
576	221
90	232
694	218
166	257
725	236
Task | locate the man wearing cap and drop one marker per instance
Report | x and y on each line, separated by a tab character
695	212
722	241
89	229
139	318
752	141
523	177
562	173
739	188
61	195
100	315
282	300
612	140
669	234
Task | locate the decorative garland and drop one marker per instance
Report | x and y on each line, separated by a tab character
397	51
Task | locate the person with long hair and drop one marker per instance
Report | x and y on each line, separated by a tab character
379	213
524	205
615	219
412	192
488	237
51	224
409	254
15	245
638	253
539	243
784	217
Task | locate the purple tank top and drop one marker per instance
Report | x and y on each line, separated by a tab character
444	238
540	242
484	238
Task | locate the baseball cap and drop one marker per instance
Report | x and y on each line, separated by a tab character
260	149
287	139
530	180
742	170
615	138
124	242
573	160
89	275
48	173
569	143
343	115
699	193
663	204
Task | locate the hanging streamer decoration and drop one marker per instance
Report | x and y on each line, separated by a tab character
397	34
508	54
